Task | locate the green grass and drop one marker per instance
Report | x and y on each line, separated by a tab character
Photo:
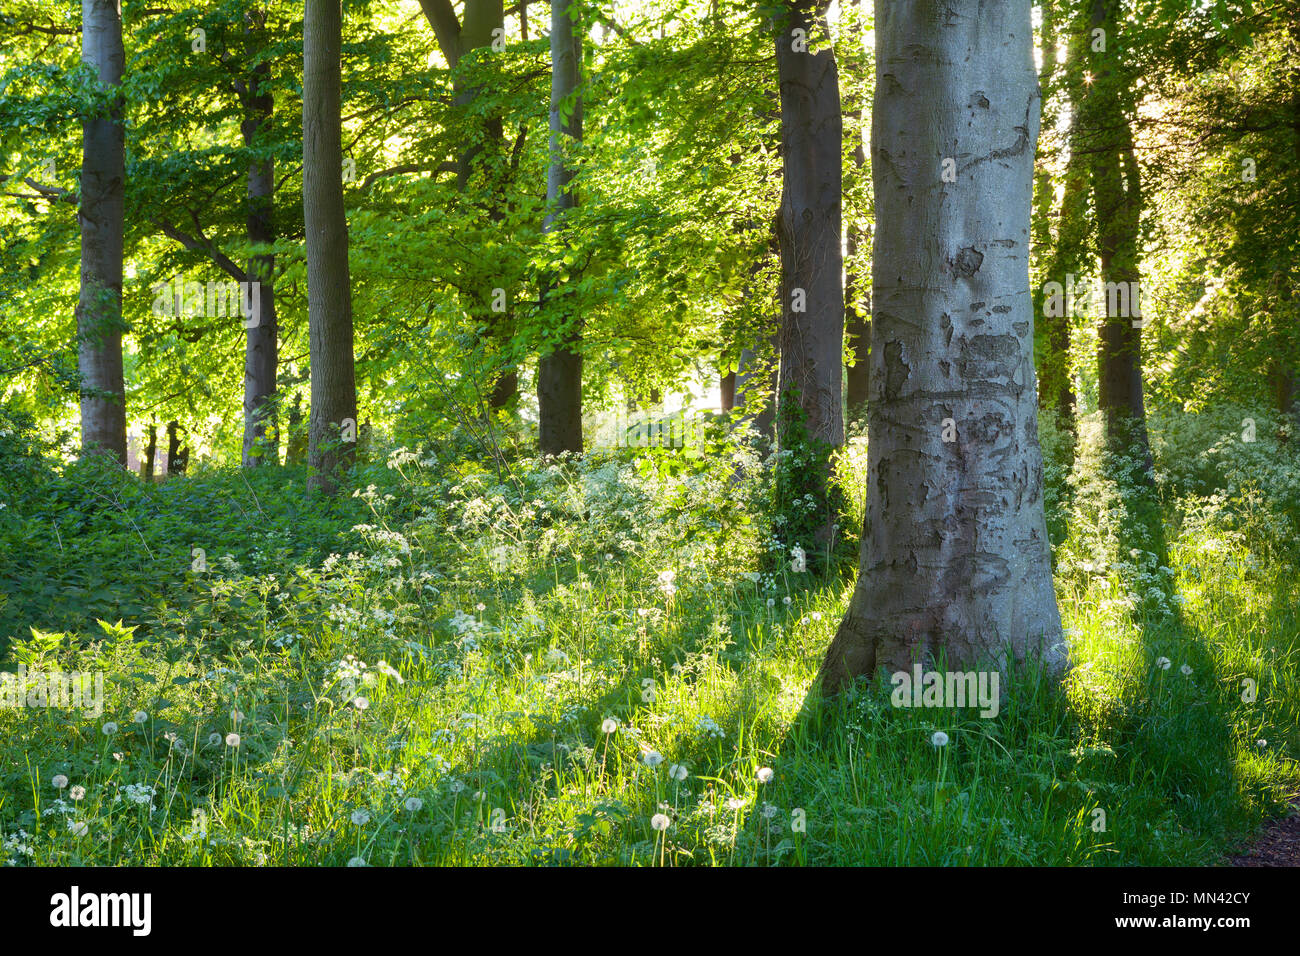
478	734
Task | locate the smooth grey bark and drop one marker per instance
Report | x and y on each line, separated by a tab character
809	223
332	427
559	372
102	216
261	345
954	559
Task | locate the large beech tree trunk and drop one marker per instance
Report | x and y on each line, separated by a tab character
559	372
261	337
954	559
332	428
99	303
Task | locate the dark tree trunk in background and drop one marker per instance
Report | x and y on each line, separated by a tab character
954	559
1117	204
99	303
332	431
150	453
727	391
261	344
295	450
809	232
559	372
177	456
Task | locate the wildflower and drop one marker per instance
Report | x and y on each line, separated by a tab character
214	740
141	716
1261	743
769	811
608	725
414	804
360	703
816	615
457	787
1163	663
480	607
77	793
1186	670
78	828
771	602
236	716
659	822
735	803
109	729
763	774
652	758
59	781
678	772
232	740
786	600
938	739
666	585
357	861
360	817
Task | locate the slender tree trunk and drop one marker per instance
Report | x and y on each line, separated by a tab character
150	453
332	431
261	345
99	303
727	391
954	558
812	295
295	449
177	456
559	372
810	403
1117	205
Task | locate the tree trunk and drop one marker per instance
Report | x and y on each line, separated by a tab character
559	372
810	403
332	431
295	449
727	391
99	303
1117	204
954	560
812	294
261	335
150	453
176	455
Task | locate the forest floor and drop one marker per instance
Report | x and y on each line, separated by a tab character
611	662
